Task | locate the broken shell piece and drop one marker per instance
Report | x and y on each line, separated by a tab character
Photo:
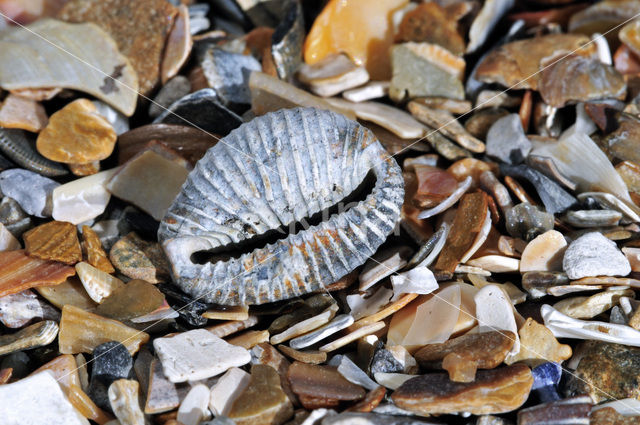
564	326
338	323
197	354
494	311
21	113
16	310
589	307
123	397
93	248
419	280
82	199
607	200
544	253
370	91
193	409
81	332
462	188
383	264
19	147
57	40
18	272
177	46
227	390
305	325
55	241
8	242
362	305
187	228
33	336
70	292
98	284
353	336
332	75
233	313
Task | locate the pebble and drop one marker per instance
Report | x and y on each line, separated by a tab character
82	199
139	259
593	218
228	74
313	383
537	345
94	251
33	336
37	399
263	401
227	390
19	309
572	410
494	311
332	75
30	190
54	241
493	391
544	253
193	409
162	395
18	272
77	134
352	372
526	221
111	361
13	218
608	416
249	339
21	113
197	354
432	23
371	90
546	378
135	299
589	307
172	90
123	396
594	255
69	291
383	361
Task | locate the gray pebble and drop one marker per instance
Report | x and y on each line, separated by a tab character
31	190
174	89
526	221
228	74
506	140
13	217
593	254
593	218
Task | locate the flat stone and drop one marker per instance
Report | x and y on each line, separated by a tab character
371	90
141	37
537	345
300	311
98	284
506	140
332	75
18	272
466	353
162	395
544	253
37	399
54	241
593	254
30	190
123	396
197	354
589	307
307	356
171	91
311	382
193	409
265	353
262	401
572	410
82	332
249	339
228	74
593	218
133	182
33	336
94	251
17	310
25	114
70	291
494	311
412	62
139	259
494	391
526	221
606	371
82	199
136	298
496	263
77	134
230	313
228	328
228	388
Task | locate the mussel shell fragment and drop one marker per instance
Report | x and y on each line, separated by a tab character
276	170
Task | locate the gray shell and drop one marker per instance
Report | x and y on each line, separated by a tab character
276	170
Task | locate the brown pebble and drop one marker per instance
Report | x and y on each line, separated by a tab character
95	253
321	385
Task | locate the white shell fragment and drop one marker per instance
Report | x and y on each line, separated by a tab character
494	311
37	399
98	284
332	75
544	253
193	408
305	325
370	91
382	265
362	305
338	323
82	199
197	354
419	280
496	263
227	390
286	166
592	254
53	57
17	310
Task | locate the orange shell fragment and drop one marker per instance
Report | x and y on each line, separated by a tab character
18	272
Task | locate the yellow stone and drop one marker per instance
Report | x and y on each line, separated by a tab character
77	134
538	345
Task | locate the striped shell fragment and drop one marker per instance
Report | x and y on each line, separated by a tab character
279	169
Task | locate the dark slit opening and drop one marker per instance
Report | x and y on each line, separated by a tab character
235	250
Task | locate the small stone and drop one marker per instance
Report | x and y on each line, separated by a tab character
314	382
70	291
432	23
55	241
94	251
30	190
546	378
17	310
480	351
147	170
332	75
77	134
593	254
544	253
18	272
371	400
228	388
537	344
111	361
136	298
371	90
589	307
383	361
162	395
33	336
228	74
572	410
197	354
22	113
608	416
263	401
97	283
228	328
506	140
495	263
230	313
494	391
37	399
413	62
249	339
82	332
178	45
82	199
593	218
494	311
171	91
193	409
139	259
13	218
526	221
123	396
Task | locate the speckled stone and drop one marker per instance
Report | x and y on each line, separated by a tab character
111	361
228	74
139	259
593	254
30	190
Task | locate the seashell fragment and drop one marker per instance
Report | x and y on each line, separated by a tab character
25	114
18	272
33	336
18	146
178	45
123	397
55	241
296	177
17	310
97	283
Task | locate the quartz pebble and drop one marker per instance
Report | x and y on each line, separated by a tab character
30	190
193	409
82	199
197	354
594	255
227	390
544	253
123	396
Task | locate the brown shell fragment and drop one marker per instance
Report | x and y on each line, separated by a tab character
19	271
577	78
95	253
56	241
517	63
467	224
